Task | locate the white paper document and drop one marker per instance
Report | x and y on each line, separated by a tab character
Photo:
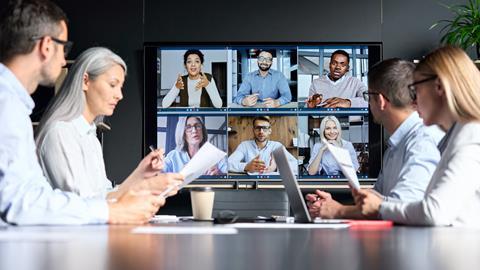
343	159
207	156
260	225
185	230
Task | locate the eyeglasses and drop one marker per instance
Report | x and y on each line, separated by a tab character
413	90
67	44
264	128
265	59
189	128
366	95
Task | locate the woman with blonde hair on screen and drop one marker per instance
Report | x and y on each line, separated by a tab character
321	160
447	91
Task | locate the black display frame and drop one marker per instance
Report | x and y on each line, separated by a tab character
150	101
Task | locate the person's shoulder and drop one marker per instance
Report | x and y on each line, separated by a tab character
173	153
276	144
467	132
346	143
59	130
246	143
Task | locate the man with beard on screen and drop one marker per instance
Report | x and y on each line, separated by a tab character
264	85
255	156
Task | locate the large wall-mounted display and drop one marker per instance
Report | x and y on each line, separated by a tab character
248	99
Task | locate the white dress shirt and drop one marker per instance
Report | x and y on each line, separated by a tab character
453	194
72	160
25	195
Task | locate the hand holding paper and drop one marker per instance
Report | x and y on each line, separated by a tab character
345	162
207	156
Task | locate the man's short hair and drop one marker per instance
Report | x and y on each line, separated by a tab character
24	20
272	52
261	118
342	52
391	77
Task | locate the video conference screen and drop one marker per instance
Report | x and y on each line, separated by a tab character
249	99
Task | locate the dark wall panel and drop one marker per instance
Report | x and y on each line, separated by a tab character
405	30
252	20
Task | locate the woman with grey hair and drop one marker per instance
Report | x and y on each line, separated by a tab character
190	135
322	161
68	149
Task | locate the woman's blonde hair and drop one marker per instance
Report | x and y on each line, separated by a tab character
323	124
460	79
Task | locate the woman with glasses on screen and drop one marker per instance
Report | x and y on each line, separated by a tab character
447	91
67	145
322	161
196	89
190	135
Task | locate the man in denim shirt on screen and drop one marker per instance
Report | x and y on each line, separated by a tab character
264	85
412	154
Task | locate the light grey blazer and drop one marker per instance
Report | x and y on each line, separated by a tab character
452	197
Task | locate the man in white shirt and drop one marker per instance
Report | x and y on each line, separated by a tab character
33	45
337	89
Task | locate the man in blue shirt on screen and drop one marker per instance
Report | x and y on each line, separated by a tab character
255	156
33	46
412	154
264	85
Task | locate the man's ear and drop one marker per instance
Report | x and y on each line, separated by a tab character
382	102
45	47
85	82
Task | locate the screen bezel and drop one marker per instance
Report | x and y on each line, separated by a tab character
150	101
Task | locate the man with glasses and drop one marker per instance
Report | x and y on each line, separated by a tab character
264	85
255	156
33	45
337	89
412	154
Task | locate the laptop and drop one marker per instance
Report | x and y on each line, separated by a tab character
295	197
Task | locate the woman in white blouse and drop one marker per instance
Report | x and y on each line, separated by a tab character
321	160
196	89
68	149
447	89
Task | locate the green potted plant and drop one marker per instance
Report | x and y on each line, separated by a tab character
464	29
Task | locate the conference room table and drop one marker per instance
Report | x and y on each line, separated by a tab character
116	247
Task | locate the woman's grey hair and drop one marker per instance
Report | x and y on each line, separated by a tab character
323	124
180	139
70	101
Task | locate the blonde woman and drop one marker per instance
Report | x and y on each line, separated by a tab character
447	89
322	161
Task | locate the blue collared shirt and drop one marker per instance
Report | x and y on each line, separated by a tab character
409	161
25	195
176	160
328	164
274	85
247	150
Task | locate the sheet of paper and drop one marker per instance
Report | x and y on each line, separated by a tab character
288	225
257	173
343	159
185	230
207	156
164	219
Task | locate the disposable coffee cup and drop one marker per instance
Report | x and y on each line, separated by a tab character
202	202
